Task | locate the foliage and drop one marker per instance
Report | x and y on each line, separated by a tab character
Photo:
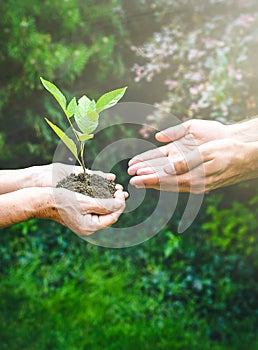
66	41
86	115
204	58
197	290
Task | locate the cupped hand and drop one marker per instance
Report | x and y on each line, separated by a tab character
85	215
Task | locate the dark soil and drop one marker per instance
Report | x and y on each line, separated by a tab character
90	185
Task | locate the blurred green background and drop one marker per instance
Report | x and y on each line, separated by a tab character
195	59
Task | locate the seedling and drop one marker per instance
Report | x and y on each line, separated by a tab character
85	113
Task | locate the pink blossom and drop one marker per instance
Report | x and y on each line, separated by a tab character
194	90
245	20
195	54
171	84
195	76
235	73
146	131
194	107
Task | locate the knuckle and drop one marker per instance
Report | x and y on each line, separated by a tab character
181	166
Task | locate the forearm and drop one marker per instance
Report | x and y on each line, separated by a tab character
245	131
26	204
13	180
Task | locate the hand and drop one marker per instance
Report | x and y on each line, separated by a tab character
185	138
214	164
85	215
82	214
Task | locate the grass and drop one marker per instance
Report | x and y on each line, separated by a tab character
102	307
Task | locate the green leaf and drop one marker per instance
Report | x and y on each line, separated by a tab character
110	99
93	105
72	108
85	137
50	87
84	104
87	123
66	140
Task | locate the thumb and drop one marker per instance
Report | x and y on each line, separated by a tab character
172	134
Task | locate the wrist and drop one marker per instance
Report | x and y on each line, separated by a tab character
246	131
252	157
42	204
25	204
36	175
14	180
26	178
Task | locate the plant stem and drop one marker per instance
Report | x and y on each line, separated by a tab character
81	155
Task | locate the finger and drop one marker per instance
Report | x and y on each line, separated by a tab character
185	162
132	170
155	166
145	180
109	176
119	193
158	182
146	171
151	163
104	221
91	223
119	187
109	219
180	183
151	154
101	206
171	134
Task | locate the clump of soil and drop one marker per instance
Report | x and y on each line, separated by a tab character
89	184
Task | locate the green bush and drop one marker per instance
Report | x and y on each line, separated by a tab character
76	45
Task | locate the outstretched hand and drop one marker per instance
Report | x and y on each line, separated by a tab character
201	156
215	164
184	139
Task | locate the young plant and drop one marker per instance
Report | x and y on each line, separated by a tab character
86	115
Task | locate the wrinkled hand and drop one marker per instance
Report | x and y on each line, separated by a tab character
82	214
212	165
49	175
196	132
166	168
185	138
85	215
